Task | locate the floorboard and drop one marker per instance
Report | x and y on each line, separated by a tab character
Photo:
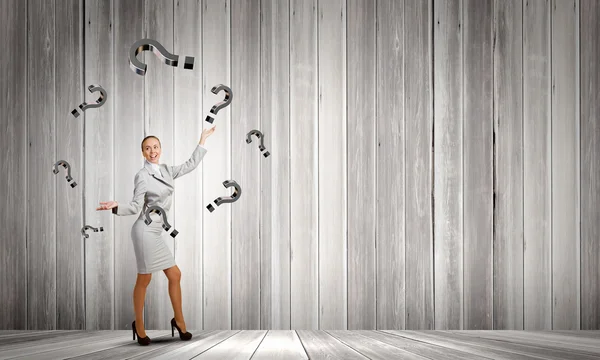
304	345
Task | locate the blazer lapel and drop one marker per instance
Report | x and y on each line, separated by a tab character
150	170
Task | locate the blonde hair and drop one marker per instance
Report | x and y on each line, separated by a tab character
148	137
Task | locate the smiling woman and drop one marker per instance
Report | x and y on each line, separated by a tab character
154	187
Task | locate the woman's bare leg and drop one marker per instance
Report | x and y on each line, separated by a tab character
139	294
174	275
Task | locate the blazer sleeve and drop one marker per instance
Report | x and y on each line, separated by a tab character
135	205
191	164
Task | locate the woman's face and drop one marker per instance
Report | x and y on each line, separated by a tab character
151	150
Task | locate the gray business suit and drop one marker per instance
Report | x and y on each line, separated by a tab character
151	251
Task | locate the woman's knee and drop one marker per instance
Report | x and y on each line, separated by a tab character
173	274
143	280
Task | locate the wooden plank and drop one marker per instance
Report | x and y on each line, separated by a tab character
99	166
131	350
14	182
188	121
391	157
280	344
471	347
303	166
508	169
321	345
333	292
448	169
418	134
418	347
361	158
158	121
128	97
68	69
41	156
581	347
537	265
188	351
478	163
593	334
566	336
103	349
590	164
217	225
246	160
275	173
371	348
57	342
10	341
531	348
565	168
241	346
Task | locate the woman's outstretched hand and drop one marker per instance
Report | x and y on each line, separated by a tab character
107	205
206	133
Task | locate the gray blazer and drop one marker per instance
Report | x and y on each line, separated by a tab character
151	190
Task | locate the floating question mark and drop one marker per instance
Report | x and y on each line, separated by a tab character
66	166
167	58
233	198
218	106
261	137
101	100
161	212
83	229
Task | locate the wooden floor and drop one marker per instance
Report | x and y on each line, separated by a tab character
303	344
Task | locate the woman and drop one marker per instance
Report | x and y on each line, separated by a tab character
154	187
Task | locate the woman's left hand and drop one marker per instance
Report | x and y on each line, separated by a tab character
206	133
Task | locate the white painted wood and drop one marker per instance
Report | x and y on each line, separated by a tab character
216	167
14	181
373	349
332	146
448	168
418	194
565	177
280	344
128	103
508	157
391	127
303	166
188	121
478	147
362	201
321	345
246	161
590	164
275	174
240	346
536	164
158	121
41	157
98	179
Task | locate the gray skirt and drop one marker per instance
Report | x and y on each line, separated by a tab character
151	251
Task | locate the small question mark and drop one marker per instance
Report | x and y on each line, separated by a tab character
167	58
261	137
83	229
66	166
160	211
233	198
101	100
218	106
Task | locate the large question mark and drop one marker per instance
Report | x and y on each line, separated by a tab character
261	137
101	100
66	166
218	106
161	212
148	44
233	198
83	229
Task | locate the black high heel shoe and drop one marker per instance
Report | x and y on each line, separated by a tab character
141	341
183	336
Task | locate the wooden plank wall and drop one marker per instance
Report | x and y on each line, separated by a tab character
433	164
